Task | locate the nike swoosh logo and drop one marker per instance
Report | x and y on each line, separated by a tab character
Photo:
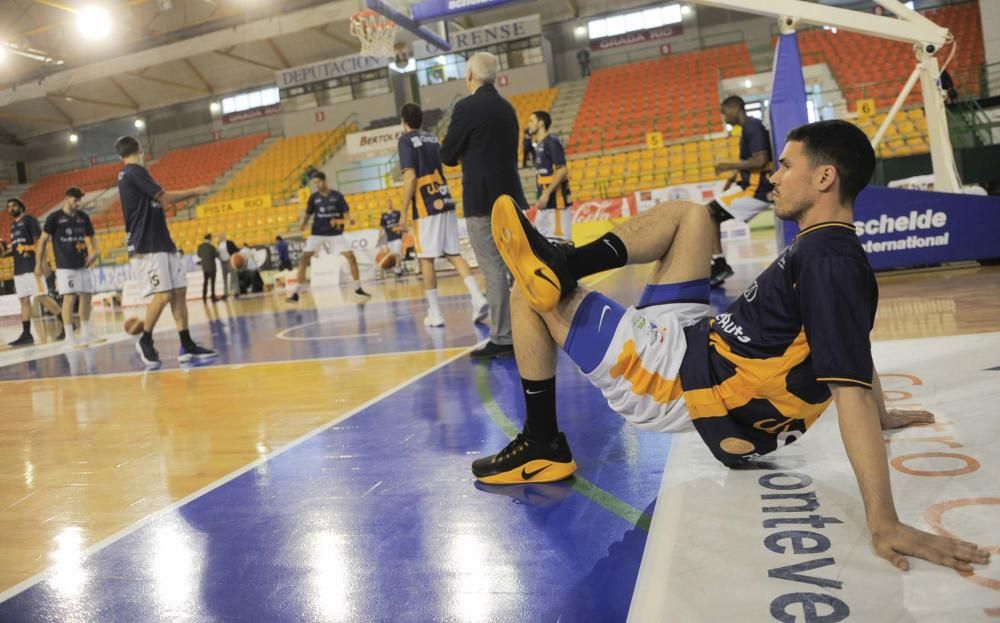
601	321
608	242
538	271
531	393
525	474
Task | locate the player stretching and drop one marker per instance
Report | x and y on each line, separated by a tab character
750	380
155	262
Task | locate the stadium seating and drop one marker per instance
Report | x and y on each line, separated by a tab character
871	67
277	171
677	95
186	168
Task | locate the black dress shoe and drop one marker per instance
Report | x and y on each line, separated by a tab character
491	350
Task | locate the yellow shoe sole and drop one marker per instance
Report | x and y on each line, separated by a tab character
538	470
536	280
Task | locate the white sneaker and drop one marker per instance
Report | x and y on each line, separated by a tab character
433	321
480	310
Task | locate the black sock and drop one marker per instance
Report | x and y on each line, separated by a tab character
540	400
147	337
605	253
26	327
186	340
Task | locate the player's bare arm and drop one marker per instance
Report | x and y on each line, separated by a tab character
175	196
409	191
756	162
95	253
43	242
897	418
558	177
861	431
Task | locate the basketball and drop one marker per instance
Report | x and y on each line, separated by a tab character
134	326
238	261
386	260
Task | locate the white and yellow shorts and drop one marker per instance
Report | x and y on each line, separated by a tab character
74	281
555	223
159	272
634	354
436	235
28	284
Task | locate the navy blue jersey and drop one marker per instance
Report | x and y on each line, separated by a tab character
145	221
24	235
419	151
329	213
756	377
549	154
390	223
68	232
756	138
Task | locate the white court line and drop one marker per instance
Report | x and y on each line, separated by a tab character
282	335
39	577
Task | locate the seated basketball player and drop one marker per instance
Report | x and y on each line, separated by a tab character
750	380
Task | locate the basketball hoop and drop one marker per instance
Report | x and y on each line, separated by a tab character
376	32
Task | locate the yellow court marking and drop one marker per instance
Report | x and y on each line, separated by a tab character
93	455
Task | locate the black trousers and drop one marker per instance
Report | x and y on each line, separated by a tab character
204	285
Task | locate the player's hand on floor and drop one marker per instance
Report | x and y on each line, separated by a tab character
900	540
901	418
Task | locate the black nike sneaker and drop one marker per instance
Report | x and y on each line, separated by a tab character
24	340
720	272
150	358
294	298
539	266
526	460
195	352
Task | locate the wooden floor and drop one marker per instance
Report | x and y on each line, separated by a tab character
85	457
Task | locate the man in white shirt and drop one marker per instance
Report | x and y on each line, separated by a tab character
227	269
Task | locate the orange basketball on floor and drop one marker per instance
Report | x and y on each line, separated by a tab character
238	261
386	260
134	326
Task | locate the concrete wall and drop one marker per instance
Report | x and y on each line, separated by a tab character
364	111
520	80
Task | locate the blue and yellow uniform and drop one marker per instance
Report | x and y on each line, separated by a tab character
550	155
420	151
756	377
390	225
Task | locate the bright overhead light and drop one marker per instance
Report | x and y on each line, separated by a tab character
685	10
139	124
93	22
747	84
74	138
580	31
214	107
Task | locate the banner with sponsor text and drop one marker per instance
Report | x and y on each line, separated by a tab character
217	208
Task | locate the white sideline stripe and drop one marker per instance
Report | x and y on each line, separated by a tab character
90	551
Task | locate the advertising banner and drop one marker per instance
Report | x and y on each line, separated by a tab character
236	205
436	9
634	38
326	70
481	37
372	143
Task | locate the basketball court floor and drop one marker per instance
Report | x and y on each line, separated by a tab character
319	471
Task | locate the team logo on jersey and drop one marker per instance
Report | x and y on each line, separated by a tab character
751	292
639	323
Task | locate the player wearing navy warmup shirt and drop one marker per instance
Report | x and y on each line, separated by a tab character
554	218
393	234
428	204
25	231
329	211
750	380
156	264
749	174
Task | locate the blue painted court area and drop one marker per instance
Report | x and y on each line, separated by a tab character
378	519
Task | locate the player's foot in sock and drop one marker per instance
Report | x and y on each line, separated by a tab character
539	267
526	460
195	352
721	271
25	339
480	309
150	358
294	298
361	292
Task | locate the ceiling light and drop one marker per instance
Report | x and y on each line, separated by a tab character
93	22
74	138
747	84
139	124
214	107
685	10
580	31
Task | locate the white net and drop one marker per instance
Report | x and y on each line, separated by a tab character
376	32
